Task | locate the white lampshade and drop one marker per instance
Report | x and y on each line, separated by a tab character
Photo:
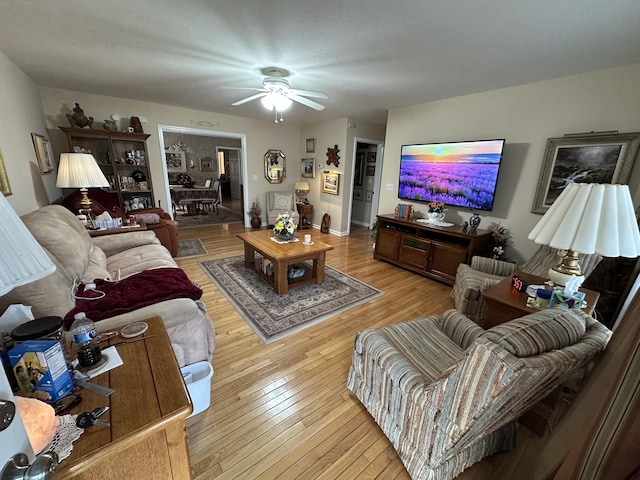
591	218
302	186
22	259
79	170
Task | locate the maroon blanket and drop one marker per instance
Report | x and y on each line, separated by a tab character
136	291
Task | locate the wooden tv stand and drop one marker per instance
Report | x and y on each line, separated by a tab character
429	250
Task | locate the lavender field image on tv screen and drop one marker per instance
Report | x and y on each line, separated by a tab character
461	174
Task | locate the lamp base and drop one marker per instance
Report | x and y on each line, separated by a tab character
570	266
85	207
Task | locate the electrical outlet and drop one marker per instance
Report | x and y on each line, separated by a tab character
255	178
389	186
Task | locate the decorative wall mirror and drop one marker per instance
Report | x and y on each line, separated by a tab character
275	166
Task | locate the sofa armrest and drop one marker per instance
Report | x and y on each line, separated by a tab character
119	242
493	267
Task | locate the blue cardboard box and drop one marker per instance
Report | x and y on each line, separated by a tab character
41	369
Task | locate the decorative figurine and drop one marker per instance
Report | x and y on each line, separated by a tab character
110	126
474	222
465	225
134	122
332	156
78	119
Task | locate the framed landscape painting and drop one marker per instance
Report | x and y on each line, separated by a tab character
330	182
308	168
597	158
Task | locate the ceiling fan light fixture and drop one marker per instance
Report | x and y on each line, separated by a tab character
277	101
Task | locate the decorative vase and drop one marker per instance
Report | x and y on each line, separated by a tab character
436	217
256	222
474	222
285	236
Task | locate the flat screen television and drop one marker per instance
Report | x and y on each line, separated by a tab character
461	174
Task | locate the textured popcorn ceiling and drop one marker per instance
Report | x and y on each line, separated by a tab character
366	55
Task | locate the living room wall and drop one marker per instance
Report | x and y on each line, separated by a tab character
526	116
20	115
261	135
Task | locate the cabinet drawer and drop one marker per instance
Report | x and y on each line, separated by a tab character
445	259
415	252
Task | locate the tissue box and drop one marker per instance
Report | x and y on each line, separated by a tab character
559	299
40	369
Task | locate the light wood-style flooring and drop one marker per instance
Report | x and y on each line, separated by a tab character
282	410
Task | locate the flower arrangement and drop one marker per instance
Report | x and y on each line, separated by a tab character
185	180
284	226
435	207
256	209
499	240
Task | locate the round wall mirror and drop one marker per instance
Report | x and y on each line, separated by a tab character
275	166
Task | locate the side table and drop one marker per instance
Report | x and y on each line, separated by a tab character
502	304
138	227
305	210
147	438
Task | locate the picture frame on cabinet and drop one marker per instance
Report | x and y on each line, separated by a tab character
44	155
584	158
308	168
330	183
5	187
176	161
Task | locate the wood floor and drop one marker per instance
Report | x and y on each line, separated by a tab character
282	410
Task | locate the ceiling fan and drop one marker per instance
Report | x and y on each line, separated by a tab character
277	95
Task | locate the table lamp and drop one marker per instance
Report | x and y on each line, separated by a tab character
80	170
588	218
23	261
301	191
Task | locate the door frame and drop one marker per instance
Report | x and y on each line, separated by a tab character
162	129
377	178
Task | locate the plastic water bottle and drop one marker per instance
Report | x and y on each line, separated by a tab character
85	338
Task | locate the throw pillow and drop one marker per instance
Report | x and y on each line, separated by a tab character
281	202
148	218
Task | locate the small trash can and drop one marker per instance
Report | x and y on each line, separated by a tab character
197	377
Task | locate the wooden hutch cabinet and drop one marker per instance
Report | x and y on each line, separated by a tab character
430	250
123	159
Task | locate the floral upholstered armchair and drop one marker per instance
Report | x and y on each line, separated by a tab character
483	273
447	393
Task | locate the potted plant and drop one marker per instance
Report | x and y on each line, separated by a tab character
254	212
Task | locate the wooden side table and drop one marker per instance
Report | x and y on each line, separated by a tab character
147	438
140	226
305	210
502	305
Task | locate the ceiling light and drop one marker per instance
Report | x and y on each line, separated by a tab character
276	100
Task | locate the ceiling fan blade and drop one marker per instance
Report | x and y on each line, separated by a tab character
304	101
309	93
244	88
248	99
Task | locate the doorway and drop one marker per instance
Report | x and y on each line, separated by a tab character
367	166
209	155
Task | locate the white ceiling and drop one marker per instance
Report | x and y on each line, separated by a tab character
367	55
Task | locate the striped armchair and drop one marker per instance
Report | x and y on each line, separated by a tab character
483	273
447	393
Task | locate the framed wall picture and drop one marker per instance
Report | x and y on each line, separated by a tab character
310	145
368	196
330	182
43	153
5	187
206	164
371	157
590	158
371	170
176	161
358	194
308	168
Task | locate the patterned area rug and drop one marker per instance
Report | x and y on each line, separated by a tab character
274	316
190	248
224	215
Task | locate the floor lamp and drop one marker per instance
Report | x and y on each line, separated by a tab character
588	218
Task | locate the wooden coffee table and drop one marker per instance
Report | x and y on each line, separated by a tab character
281	256
502	304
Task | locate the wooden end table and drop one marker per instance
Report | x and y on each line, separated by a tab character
282	255
147	438
305	210
138	227
502	304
